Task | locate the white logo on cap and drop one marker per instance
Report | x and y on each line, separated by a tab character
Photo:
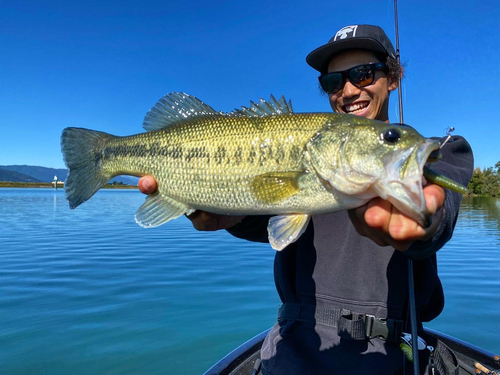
345	31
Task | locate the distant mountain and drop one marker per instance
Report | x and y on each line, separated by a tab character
13	176
44	174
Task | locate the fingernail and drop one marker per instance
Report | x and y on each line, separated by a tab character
147	184
433	204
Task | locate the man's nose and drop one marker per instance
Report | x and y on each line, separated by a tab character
350	90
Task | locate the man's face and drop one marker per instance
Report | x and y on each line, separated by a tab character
371	101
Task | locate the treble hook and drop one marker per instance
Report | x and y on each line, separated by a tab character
449	130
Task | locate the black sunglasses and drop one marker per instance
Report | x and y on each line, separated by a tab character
359	76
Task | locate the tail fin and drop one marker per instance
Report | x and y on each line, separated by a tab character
83	154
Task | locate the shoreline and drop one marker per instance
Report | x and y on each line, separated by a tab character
49	185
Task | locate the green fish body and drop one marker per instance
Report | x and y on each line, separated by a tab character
264	159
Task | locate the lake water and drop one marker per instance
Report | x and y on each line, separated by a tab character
88	291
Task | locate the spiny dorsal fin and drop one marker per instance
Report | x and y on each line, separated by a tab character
263	108
175	107
178	106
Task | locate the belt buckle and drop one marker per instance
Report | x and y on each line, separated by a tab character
376	327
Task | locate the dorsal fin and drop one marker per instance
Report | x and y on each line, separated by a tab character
263	108
175	107
178	106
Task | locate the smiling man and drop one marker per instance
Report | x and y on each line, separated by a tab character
361	99
362	74
343	283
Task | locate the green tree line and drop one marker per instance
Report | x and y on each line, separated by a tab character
486	182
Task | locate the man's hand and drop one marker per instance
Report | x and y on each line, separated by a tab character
383	223
201	220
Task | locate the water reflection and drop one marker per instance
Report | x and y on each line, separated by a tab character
54	203
483	212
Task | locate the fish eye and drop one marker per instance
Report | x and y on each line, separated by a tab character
392	135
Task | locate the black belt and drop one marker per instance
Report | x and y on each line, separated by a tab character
349	324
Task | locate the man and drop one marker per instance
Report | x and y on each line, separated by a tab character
343	284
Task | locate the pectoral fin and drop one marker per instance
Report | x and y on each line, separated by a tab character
275	187
285	229
158	209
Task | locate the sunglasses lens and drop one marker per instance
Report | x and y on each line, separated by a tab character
331	82
361	76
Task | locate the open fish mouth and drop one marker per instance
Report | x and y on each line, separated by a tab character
435	156
408	173
427	152
403	186
408	164
433	177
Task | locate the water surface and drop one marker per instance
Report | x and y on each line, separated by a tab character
88	291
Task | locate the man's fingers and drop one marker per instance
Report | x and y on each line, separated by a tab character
402	228
434	197
378	214
147	185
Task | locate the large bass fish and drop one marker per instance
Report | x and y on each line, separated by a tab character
264	159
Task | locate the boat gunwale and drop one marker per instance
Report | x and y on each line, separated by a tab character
238	356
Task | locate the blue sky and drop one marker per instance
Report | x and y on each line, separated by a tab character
104	64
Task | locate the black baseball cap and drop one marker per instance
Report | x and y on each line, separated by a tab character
351	37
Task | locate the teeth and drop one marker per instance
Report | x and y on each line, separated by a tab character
352	108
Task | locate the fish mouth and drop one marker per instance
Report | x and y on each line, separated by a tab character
434	156
403	186
428	151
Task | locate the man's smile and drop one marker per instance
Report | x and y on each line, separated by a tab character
355	108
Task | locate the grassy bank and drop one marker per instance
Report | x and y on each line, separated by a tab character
6	184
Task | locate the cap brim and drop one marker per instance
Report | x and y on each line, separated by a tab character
320	56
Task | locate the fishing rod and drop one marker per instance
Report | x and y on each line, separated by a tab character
398	59
411	282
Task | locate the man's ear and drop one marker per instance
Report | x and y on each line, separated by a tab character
393	85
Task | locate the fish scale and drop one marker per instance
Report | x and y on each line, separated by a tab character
264	159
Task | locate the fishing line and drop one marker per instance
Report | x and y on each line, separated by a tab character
411	286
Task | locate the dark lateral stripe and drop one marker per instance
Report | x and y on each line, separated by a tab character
255	154
155	149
